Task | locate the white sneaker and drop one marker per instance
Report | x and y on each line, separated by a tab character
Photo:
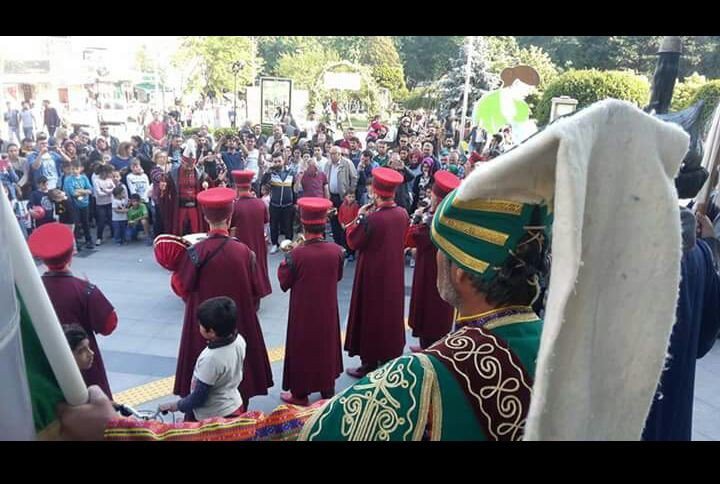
273	249
98	242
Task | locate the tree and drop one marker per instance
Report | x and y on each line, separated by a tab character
387	70
273	48
348	47
213	58
143	63
452	85
304	66
426	58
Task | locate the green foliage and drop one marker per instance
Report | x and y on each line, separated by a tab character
426	58
213	58
685	90
348	47
387	70
227	132
304	66
710	93
423	97
589	86
273	48
368	94
700	53
190	131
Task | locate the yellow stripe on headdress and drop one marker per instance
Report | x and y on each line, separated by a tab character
475	231
489	205
446	246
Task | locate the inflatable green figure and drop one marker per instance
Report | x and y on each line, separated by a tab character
507	106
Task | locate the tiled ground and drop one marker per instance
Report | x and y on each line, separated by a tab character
144	346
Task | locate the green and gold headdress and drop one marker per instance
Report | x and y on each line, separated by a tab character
479	235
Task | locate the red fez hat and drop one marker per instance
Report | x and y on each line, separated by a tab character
445	182
217	203
313	210
168	249
385	181
243	178
53	243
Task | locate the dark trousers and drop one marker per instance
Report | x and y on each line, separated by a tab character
119	230
158	222
337	230
82	220
103	218
51	130
281	220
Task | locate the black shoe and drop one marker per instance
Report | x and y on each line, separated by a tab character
89	245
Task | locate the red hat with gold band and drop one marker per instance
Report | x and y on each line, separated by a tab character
385	181
313	210
217	203
53	244
243	178
445	182
168	249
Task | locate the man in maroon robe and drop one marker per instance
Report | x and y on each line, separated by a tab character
248	225
187	181
313	354
219	266
75	300
376	326
431	317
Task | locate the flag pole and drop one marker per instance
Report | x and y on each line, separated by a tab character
42	314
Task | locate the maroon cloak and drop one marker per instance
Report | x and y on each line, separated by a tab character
430	317
249	218
221	266
78	301
376	325
313	355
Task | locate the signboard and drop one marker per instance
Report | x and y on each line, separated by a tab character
275	98
348	81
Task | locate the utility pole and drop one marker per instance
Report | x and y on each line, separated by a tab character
236	67
468	54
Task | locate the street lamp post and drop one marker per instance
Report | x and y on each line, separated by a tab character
236	67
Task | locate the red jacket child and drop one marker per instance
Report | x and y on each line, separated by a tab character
348	210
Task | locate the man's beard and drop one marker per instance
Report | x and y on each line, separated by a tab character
445	288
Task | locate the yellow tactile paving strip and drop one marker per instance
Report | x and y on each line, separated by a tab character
163	387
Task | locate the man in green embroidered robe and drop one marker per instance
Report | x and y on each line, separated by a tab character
475	383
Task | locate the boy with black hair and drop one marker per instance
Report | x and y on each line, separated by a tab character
78	189
79	343
41	198
137	216
219	368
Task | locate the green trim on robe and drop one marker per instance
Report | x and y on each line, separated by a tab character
394	402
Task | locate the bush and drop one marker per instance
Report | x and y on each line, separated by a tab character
684	91
187	132
227	132
710	93
589	86
416	99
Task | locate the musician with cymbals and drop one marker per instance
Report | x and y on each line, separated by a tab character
219	265
376	323
311	271
430	317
